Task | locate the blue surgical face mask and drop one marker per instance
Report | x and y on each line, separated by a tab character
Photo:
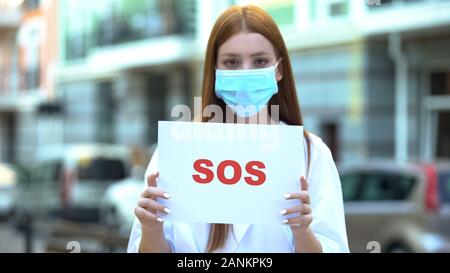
246	92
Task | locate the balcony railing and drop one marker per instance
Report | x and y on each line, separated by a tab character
9	18
382	4
116	28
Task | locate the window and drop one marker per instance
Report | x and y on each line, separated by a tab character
338	9
283	15
329	11
282	12
157	84
443	135
30	5
101	169
444	187
440	83
350	186
383	2
32	78
77	29
105	117
378	187
330	135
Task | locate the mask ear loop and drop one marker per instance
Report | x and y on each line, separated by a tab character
276	65
279	60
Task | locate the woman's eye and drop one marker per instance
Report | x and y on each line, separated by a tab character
260	62
231	63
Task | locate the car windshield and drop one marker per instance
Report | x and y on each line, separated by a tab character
101	169
444	186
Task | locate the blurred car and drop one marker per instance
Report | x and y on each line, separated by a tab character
399	207
70	181
10	177
120	199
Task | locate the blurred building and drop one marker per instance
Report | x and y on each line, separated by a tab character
27	59
124	64
372	76
9	23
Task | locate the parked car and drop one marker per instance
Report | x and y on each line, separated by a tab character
120	199
398	207
118	202
10	177
70	181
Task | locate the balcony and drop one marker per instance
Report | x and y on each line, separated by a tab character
404	16
12	100
121	27
9	18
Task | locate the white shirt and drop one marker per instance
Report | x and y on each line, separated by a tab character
328	223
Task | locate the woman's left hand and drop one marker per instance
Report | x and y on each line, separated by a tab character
300	223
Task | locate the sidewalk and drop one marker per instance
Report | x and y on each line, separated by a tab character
13	242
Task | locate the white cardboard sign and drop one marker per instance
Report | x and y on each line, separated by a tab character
214	174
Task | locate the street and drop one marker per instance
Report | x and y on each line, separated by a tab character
13	242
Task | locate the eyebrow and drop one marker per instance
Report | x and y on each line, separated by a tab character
262	53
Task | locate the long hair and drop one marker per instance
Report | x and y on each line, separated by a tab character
250	19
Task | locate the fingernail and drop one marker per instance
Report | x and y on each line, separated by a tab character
287	195
166	195
166	210
160	219
283	212
285	221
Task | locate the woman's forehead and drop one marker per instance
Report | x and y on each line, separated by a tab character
246	44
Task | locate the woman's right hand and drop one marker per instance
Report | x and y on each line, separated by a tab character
148	206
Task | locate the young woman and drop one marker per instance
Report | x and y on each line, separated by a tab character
248	70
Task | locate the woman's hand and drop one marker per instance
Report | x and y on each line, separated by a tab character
152	239
305	240
301	222
147	205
